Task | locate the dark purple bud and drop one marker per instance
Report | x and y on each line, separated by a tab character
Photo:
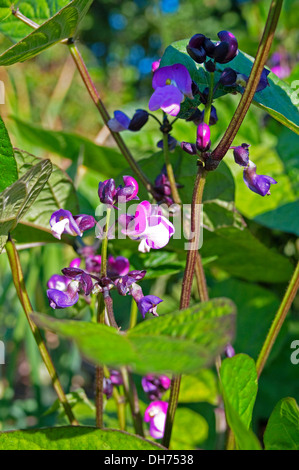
259	184
203	137
148	303
106	191
198	117
195	48
171	143
85	222
189	148
62	299
210	66
223	51
209	47
107	388
263	83
241	154
228	77
139	119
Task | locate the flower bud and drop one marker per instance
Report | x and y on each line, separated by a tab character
106	191
241	154
203	137
210	66
139	119
195	48
189	148
228	77
259	184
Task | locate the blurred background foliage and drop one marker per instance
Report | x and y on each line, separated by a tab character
119	42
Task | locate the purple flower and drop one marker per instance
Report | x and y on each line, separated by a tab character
62	299
155	414
189	148
241	154
93	263
116	377
259	184
109	194
195	48
149	226
58	282
118	266
62	221
223	51
148	304
155	385
107	387
121	122
229	351
84	279
171	84
124	283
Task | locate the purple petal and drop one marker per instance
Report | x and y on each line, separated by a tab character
120	122
62	221
168	98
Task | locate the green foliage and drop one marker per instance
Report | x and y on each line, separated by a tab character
282	431
74	438
61	26
239	388
183	341
8	167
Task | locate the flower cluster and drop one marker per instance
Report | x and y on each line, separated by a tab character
84	275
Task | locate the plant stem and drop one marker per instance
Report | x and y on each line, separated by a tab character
278	320
186	291
201	279
133	314
208	106
132	397
174	191
99	380
18	280
254	78
104	248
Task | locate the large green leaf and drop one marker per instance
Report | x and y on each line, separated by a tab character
106	161
36	10
62	25
284	218
282	431
8	166
239	388
278	100
239	381
242	255
183	341
16	200
74	438
57	193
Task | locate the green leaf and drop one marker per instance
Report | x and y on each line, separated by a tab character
8	166
190	429
62	25
16	200
239	388
284	218
36	10
201	387
105	160
253	302
57	193
183	341
282	431
242	255
239	381
73	438
278	100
